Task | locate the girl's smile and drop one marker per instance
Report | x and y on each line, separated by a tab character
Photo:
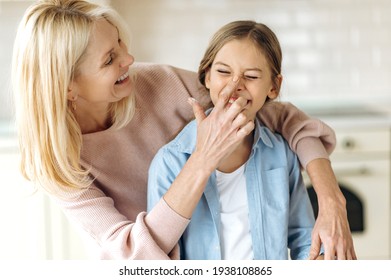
242	58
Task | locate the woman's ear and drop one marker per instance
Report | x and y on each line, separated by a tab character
275	90
71	94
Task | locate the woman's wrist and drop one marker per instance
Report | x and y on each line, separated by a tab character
202	164
325	183
187	188
331	200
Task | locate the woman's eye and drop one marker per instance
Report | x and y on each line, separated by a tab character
109	61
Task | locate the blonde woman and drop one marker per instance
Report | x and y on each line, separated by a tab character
90	121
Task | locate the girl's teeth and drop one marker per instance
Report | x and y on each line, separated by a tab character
231	100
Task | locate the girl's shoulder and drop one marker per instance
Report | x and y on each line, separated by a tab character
186	139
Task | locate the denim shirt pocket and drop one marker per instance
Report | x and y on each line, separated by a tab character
276	211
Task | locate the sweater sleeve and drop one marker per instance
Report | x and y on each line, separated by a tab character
309	138
119	238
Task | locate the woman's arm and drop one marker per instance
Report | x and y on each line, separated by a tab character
331	227
309	138
155	235
313	141
120	238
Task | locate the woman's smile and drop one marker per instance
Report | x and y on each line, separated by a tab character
123	79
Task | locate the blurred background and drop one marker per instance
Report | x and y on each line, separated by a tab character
336	67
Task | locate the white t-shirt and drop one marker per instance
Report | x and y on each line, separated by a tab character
236	242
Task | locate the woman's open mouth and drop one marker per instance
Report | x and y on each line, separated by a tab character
124	78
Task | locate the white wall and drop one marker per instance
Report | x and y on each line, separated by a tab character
10	14
334	50
32	227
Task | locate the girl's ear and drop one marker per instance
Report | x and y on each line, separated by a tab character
207	78
275	90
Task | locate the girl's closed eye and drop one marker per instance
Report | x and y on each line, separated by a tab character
223	71
250	77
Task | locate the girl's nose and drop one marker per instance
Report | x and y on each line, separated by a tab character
240	86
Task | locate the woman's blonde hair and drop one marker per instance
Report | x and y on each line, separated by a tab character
50	43
259	33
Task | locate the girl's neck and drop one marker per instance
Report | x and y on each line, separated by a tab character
239	156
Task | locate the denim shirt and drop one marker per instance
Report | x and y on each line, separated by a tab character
280	212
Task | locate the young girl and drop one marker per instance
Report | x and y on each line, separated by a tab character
255	205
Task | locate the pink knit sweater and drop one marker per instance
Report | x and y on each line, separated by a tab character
112	211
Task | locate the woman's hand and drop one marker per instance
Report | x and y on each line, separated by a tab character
331	227
219	133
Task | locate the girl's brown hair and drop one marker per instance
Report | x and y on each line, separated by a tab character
259	33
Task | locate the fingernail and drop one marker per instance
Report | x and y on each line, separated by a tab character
235	79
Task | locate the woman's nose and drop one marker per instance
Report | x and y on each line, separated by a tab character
127	60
